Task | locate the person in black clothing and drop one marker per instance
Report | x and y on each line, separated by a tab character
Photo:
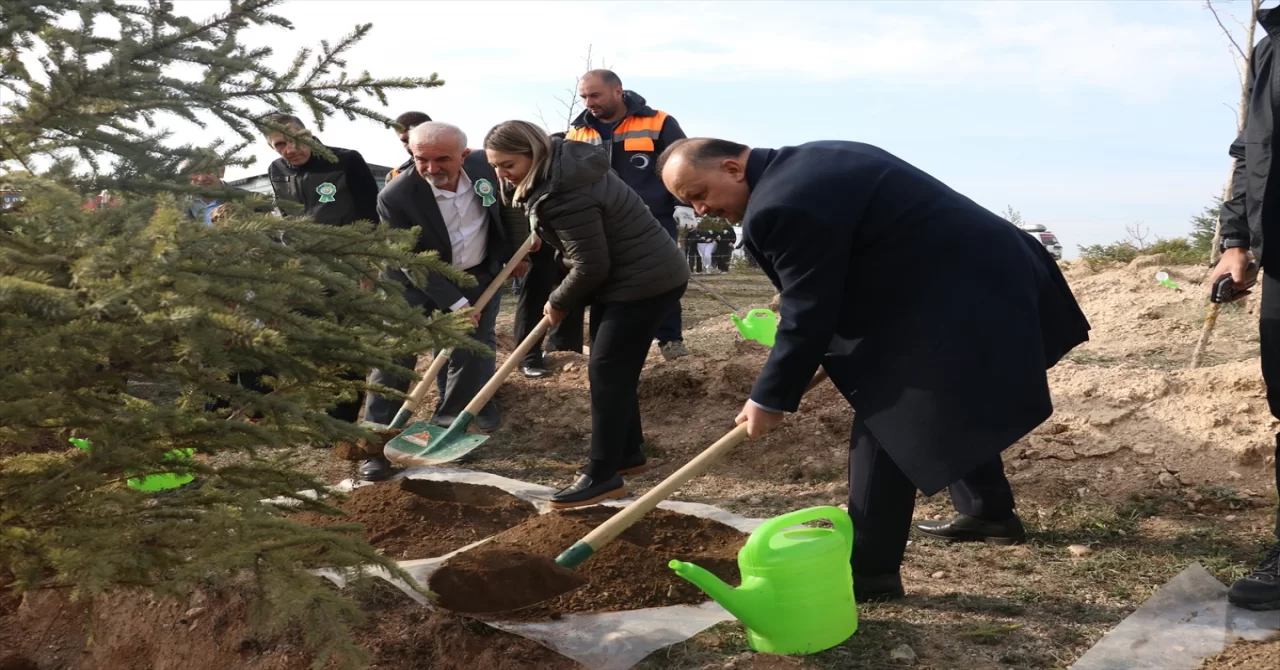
407	121
1249	217
335	194
691	239
544	276
938	394
622	263
725	239
632	135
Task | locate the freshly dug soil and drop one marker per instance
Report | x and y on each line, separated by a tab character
1247	655
364	448
418	518
498	580
131	631
629	573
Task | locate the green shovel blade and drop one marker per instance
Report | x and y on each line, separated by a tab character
425	444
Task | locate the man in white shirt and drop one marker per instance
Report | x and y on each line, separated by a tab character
452	196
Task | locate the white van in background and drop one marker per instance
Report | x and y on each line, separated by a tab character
1048	239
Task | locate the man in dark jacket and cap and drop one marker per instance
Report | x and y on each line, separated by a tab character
1249	217
944	363
633	135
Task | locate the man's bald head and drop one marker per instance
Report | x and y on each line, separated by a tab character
438	150
709	174
601	93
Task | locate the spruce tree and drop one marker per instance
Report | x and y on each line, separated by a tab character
119	324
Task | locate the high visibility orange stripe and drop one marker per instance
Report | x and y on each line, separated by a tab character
643	123
633	126
584	134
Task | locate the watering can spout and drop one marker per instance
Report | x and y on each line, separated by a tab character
748	602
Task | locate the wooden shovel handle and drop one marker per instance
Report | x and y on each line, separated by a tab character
607	531
437	363
482	398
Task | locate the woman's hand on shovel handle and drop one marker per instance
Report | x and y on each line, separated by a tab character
758	419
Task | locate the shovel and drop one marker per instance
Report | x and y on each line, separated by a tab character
760	325
426	444
541	578
437	363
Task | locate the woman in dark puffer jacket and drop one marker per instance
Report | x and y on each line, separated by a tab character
621	263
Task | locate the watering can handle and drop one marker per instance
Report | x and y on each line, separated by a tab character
759	541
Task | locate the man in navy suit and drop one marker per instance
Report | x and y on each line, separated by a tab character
451	196
934	317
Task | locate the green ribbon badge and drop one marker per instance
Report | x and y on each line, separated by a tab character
326	191
485	190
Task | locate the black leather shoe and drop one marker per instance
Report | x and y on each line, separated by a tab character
972	529
877	588
1260	591
637	465
535	370
375	469
441	421
490	418
586	492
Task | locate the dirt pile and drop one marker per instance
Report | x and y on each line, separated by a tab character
629	573
131	631
418	518
1247	655
499	580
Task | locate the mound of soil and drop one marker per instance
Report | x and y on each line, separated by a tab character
1247	655
418	518
131	631
629	573
499	580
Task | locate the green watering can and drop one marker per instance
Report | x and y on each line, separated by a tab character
161	482
760	325
797	585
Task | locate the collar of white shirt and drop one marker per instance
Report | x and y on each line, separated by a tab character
464	186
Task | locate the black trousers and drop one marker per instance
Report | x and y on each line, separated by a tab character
346	411
621	333
1269	326
464	375
882	499
544	275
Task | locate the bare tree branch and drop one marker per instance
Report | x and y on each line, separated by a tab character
1208	4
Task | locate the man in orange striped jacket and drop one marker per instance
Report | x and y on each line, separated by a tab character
634	135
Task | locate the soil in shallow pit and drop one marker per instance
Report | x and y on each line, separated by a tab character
1247	655
631	572
418	518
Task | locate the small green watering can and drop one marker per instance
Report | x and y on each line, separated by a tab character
760	325
797	585
161	482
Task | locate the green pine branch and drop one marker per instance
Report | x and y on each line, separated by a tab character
122	324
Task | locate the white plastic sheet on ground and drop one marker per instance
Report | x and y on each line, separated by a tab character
1186	621
605	641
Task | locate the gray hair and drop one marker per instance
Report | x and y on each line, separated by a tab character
425	133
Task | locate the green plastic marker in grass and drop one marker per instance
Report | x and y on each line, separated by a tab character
1162	278
160	482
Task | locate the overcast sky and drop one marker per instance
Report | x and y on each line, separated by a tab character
1084	116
